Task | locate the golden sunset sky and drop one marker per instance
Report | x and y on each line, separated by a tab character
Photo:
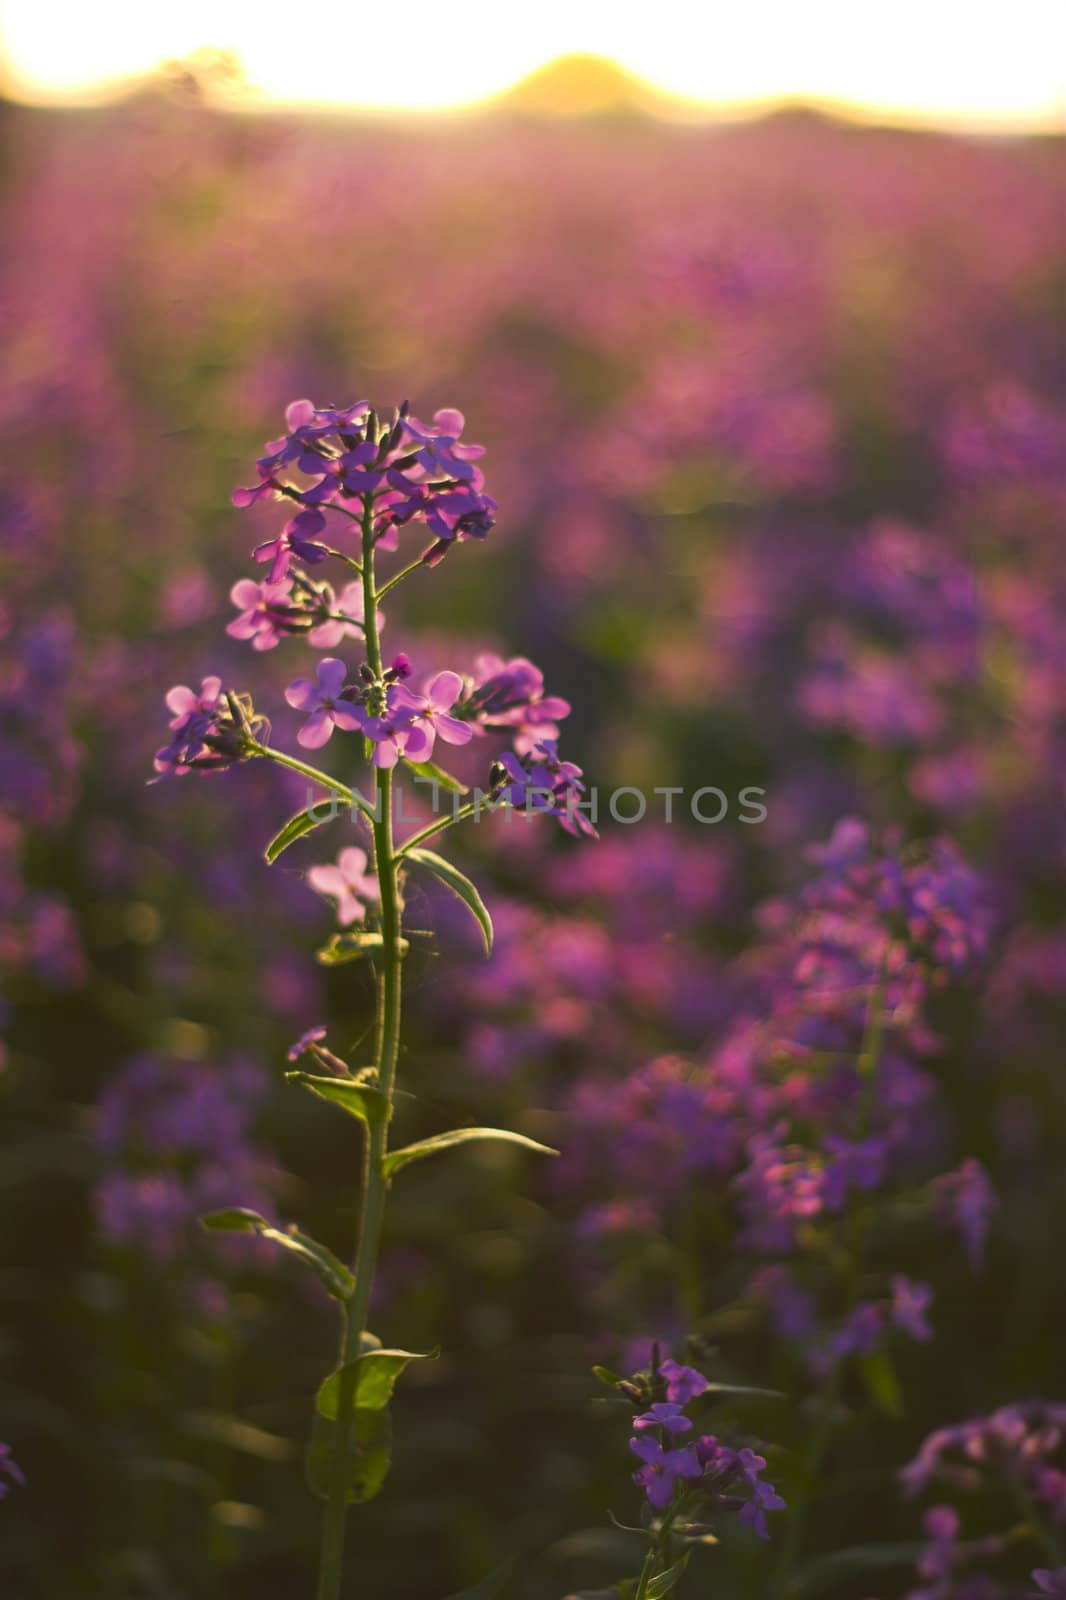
967	65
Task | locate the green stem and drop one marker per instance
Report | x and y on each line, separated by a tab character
869	1062
398	578
659	1550
373	1183
313	773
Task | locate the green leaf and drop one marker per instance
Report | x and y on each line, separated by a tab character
444	1141
882	1384
627	1527
742	1389
302	823
349	947
608	1377
360	1100
829	1570
665	1583
460	885
432	773
367	1457
375	1373
333	1273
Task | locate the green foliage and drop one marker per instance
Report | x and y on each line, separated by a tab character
445	1141
460	885
375	1373
368	1454
333	1273
355	1095
344	947
302	823
608	1377
664	1583
432	773
882	1382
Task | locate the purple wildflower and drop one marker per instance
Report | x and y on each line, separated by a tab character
682	1383
323	703
411	722
510	694
267	614
343	616
662	1468
910	1302
965	1200
309	1037
663	1415
546	784
295	539
202	730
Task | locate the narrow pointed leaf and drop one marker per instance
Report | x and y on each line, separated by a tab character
333	1273
375	1373
358	1099
445	1141
460	885
882	1382
607	1376
665	1583
742	1389
367	1457
432	773
348	947
302	823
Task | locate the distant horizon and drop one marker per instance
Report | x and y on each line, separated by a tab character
523	98
935	67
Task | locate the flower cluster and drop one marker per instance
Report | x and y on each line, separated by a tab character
692	1478
802	1114
394	472
172	1138
409	472
1017	1457
209	730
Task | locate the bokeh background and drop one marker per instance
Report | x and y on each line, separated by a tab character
775	411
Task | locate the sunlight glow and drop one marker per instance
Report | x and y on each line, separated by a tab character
945	61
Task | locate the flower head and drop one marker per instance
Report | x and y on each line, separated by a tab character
202	730
682	1383
545	783
660	1469
297	538
310	1036
324	702
266	613
670	1418
411	722
348	883
510	694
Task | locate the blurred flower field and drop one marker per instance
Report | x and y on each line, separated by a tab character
775	419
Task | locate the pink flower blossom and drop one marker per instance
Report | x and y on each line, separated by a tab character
348	883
